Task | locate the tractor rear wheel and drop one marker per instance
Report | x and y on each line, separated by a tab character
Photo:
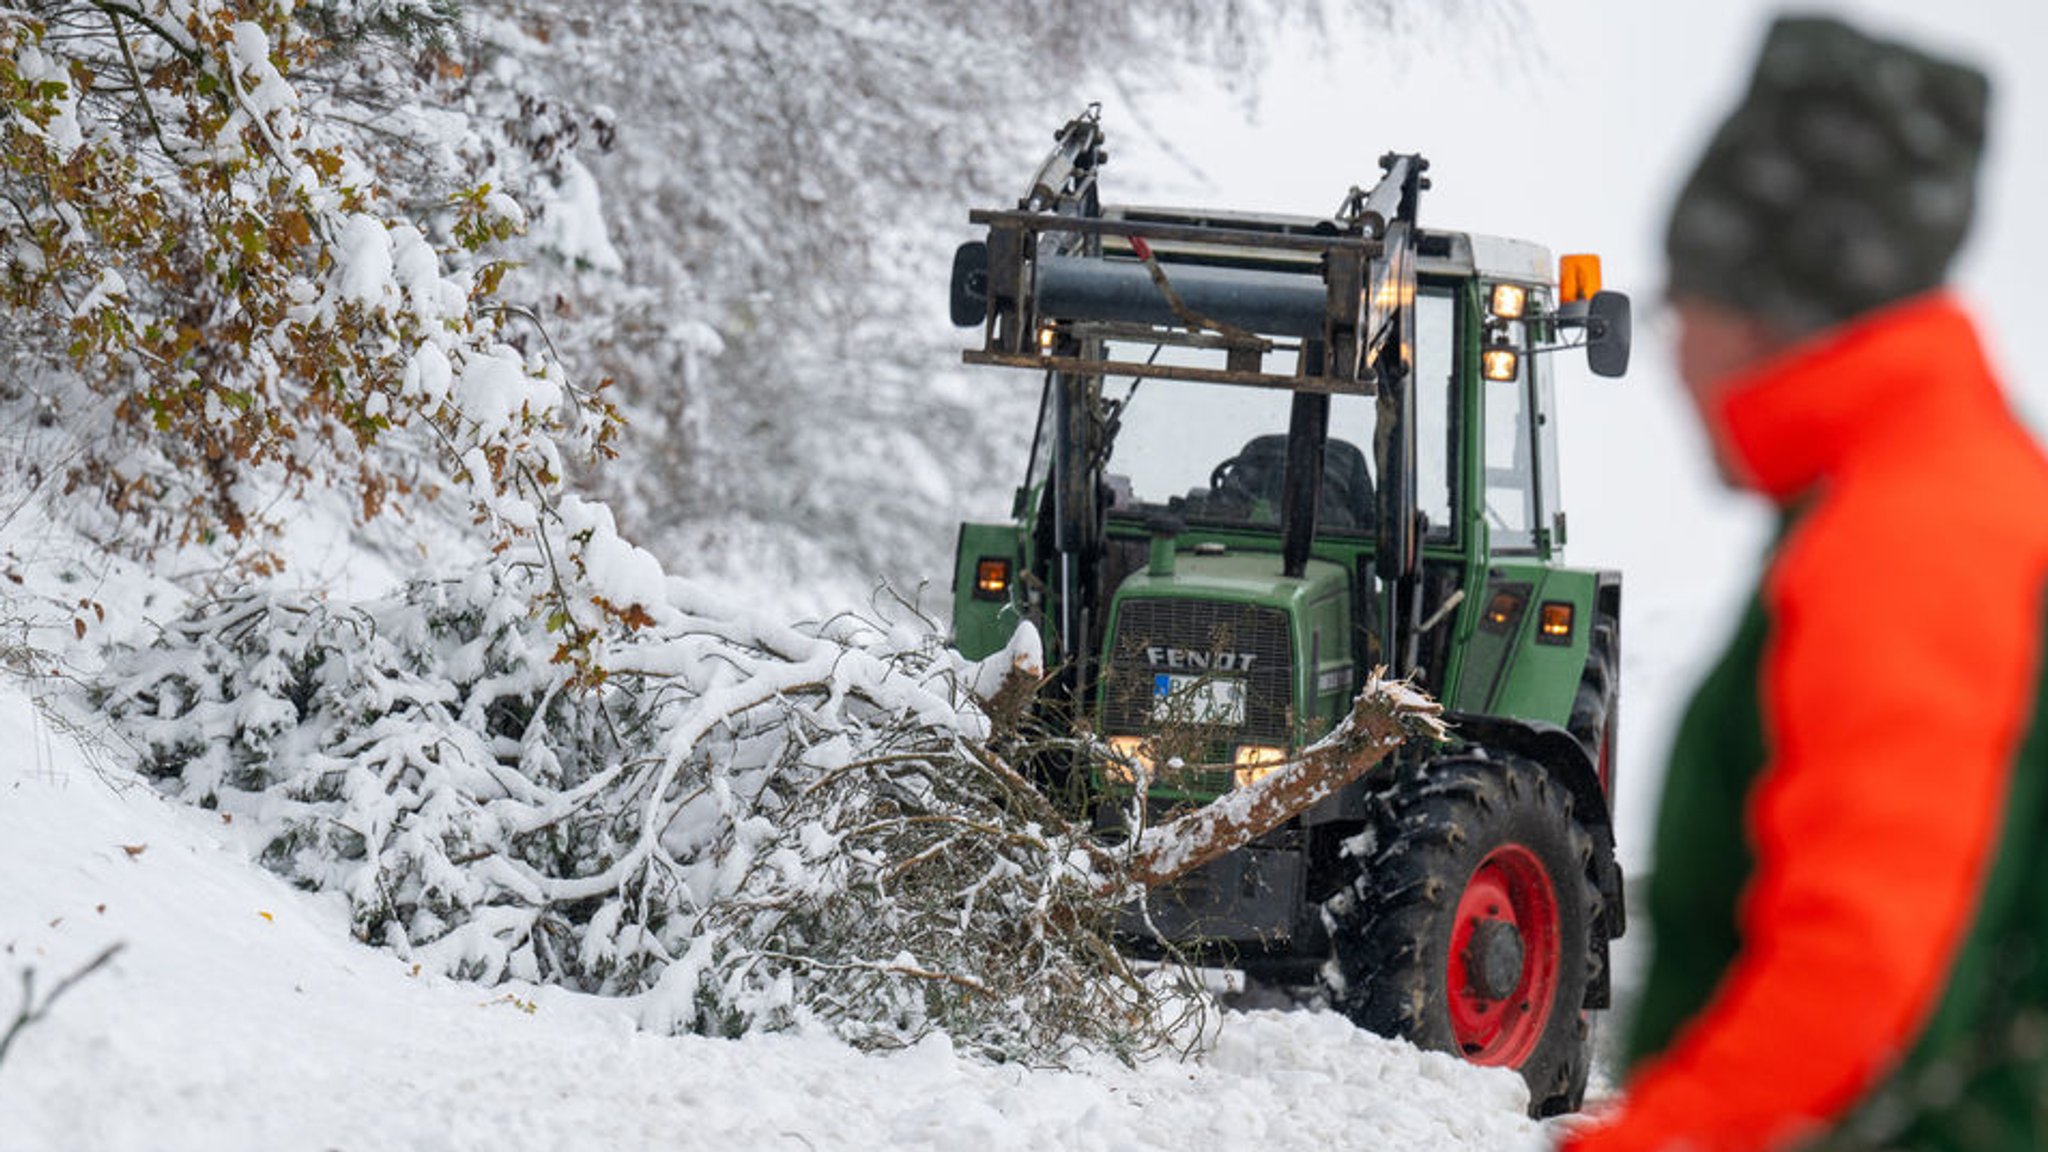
1468	927
1594	706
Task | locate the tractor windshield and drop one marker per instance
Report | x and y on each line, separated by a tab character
1217	453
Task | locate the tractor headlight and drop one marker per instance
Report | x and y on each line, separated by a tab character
1129	759
1500	362
1509	301
1255	762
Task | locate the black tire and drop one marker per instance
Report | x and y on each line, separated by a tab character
1445	837
1597	702
1596	710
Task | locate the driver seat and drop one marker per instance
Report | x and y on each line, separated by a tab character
1261	467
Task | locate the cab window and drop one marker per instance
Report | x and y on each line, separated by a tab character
1509	495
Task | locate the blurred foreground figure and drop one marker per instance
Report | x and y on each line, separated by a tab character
1850	898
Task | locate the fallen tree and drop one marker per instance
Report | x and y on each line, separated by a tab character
742	826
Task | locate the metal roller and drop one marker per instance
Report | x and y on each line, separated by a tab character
1269	303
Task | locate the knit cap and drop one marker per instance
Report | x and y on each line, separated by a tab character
1845	179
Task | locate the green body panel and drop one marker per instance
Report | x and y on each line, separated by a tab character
981	627
1490	671
1482	650
1515	670
1239	578
1336	548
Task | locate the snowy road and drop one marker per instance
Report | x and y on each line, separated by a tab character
239	1015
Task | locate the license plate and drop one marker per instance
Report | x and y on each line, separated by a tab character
1207	700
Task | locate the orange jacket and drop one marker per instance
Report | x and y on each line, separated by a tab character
1899	678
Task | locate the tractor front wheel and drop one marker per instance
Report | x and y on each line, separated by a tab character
1467	926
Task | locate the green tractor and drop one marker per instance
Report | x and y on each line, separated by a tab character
1274	453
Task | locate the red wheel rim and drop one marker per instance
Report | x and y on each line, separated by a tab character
1510	887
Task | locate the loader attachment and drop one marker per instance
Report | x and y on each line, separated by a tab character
1299	303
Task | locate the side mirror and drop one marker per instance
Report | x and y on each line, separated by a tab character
1608	333
970	284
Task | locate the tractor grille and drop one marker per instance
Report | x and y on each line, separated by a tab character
1159	636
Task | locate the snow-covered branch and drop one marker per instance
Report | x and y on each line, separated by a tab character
233	299
743	825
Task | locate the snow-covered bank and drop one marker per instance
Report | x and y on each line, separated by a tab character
240	1015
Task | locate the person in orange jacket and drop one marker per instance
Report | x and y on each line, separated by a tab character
1849	900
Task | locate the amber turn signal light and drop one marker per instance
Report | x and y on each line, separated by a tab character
1578	278
1554	623
992	578
1501	612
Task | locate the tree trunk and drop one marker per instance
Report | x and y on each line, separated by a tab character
1382	717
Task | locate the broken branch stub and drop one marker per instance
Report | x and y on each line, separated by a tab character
1384	715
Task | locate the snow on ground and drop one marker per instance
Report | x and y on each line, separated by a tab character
240	1015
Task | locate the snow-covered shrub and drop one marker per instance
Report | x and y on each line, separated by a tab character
746	826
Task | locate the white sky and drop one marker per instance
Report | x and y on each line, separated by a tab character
1571	125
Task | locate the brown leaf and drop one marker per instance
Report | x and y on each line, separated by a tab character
134	850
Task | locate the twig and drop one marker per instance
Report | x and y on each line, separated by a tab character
31	1011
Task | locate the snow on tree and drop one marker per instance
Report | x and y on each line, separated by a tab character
242	301
783	184
254	247
220	292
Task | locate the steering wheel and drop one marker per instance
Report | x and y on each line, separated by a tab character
1227	482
